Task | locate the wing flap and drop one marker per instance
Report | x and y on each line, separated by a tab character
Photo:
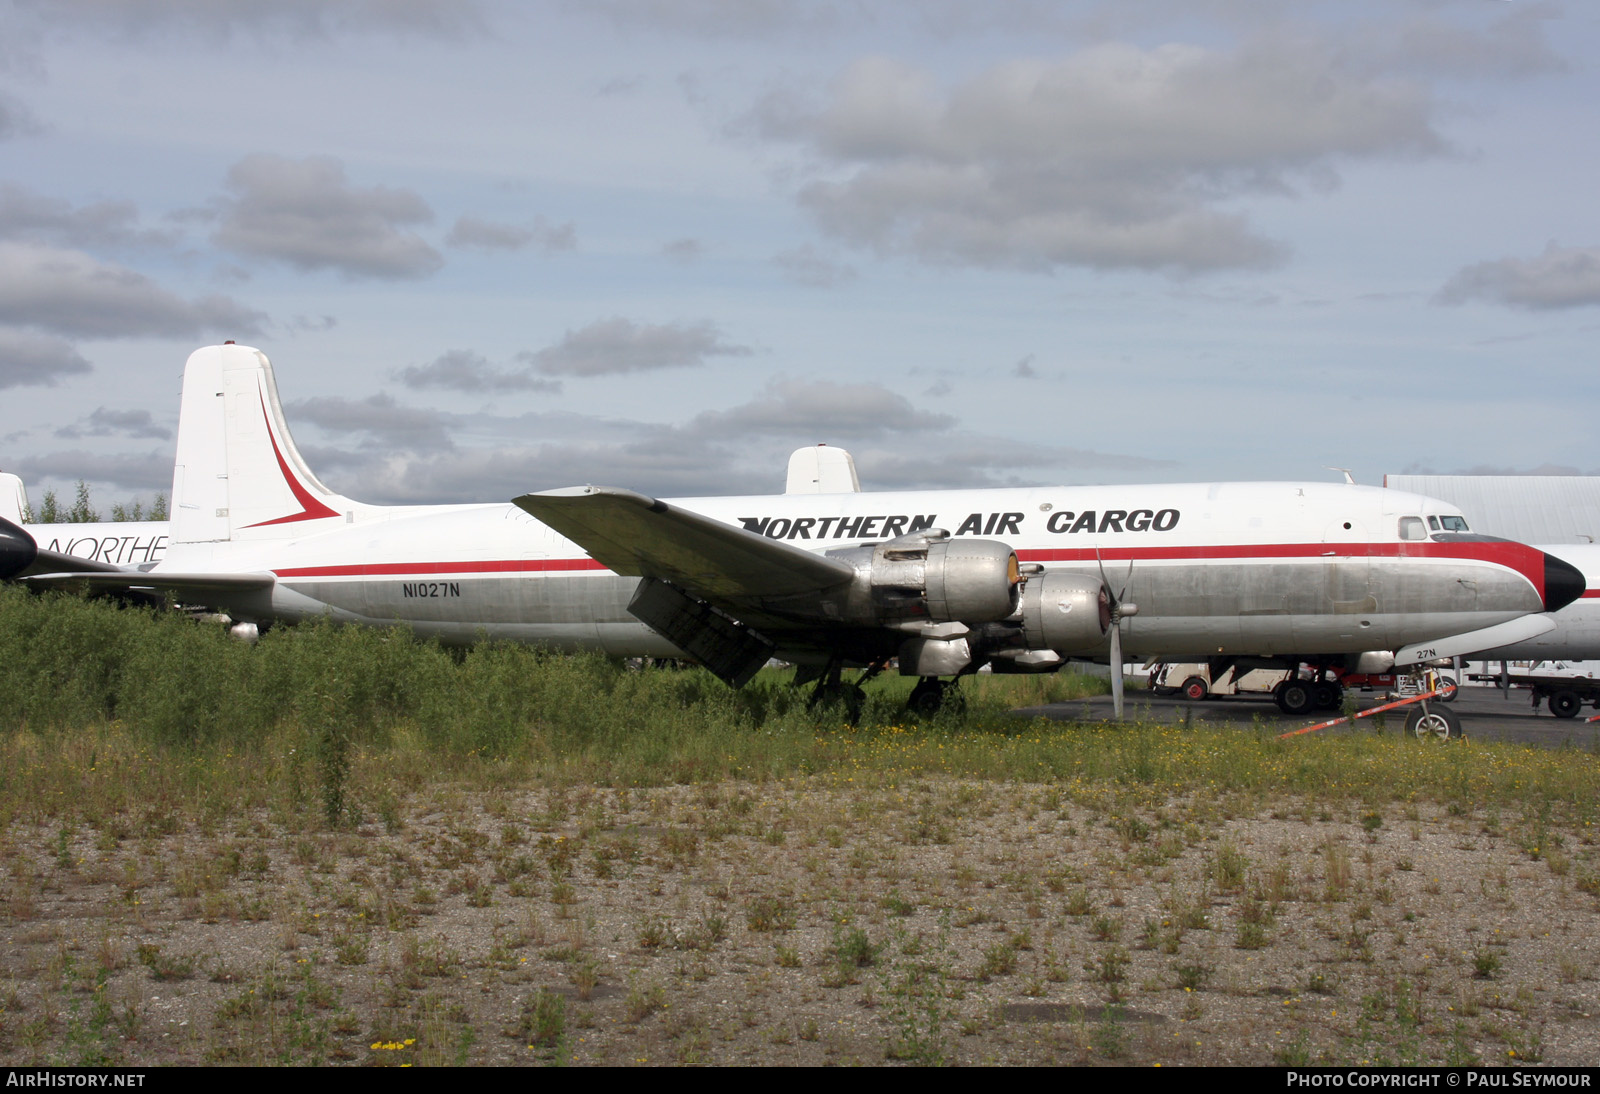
639	536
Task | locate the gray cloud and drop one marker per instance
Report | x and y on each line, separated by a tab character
805	266
15	118
27	358
108	423
386	423
671	461
611	346
684	250
1114	157
26	215
295	18
305	213
969	461
820	409
1544	469
130	471
1561	277
490	235
729	18
1512	46
463	370
70	293
741	450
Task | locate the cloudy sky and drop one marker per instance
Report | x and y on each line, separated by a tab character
494	247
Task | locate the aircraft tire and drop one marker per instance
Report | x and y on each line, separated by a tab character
927	697
1565	704
1434	724
1449	682
1294	697
1195	688
1326	696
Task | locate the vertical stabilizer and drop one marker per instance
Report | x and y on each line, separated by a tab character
822	470
13	498
238	474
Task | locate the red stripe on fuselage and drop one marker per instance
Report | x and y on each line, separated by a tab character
1524	560
395	569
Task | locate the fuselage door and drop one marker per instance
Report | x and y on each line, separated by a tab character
1347	590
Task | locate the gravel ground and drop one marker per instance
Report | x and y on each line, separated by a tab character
807	922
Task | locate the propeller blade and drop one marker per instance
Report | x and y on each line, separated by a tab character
1116	628
1116	666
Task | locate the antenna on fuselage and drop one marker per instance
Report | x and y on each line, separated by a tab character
1345	471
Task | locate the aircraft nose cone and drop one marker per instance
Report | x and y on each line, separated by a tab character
17	549
1563	583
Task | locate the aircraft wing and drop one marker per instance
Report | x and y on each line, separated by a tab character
57	562
210	589
21	557
111	581
638	536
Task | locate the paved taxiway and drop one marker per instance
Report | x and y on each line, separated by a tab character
1485	715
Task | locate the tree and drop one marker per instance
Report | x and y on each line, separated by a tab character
136	511
82	512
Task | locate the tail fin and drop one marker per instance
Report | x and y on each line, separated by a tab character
13	498
238	474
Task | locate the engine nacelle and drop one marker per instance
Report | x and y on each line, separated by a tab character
1067	613
927	577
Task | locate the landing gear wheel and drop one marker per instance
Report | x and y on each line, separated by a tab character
927	697
1294	697
1326	696
1447	685
1434	724
1565	704
1195	688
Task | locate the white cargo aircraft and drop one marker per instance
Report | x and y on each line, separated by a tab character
946	582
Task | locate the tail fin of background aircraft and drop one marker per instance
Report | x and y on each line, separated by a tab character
13	498
822	470
238	474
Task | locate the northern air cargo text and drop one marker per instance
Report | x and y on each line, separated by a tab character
889	526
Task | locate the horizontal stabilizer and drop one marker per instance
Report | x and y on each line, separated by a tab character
1489	638
638	536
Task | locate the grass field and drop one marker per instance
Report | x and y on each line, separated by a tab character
342	845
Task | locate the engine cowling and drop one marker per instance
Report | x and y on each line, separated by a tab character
928	577
1067	613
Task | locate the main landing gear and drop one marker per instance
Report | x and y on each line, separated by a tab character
931	694
847	697
1297	697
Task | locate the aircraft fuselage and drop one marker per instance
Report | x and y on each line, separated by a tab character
1217	569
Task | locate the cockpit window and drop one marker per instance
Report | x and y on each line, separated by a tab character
1454	524
1412	528
1433	524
